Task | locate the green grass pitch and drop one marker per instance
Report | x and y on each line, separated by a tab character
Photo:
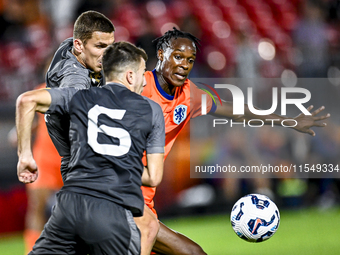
301	232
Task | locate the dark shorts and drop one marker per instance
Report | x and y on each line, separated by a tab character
82	224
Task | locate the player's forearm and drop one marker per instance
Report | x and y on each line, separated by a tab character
226	110
153	172
27	104
25	111
270	119
146	178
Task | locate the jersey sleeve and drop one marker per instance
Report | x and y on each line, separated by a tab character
74	80
60	99
196	101
156	139
68	75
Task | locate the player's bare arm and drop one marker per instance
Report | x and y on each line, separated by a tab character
153	172
27	104
304	122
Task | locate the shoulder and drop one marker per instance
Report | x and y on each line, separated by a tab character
148	75
189	84
57	93
71	64
150	79
60	99
150	102
66	44
150	86
68	72
155	107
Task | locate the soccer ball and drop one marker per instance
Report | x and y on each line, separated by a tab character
255	218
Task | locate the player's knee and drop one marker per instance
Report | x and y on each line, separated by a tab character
153	228
148	226
188	247
195	250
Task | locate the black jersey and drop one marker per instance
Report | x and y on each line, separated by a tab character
110	128
66	71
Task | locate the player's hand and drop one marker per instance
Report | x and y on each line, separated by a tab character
27	170
305	122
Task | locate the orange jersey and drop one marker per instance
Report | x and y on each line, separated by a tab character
46	157
177	111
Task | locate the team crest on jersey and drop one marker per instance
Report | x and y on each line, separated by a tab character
180	113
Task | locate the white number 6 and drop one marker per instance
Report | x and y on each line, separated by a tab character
119	133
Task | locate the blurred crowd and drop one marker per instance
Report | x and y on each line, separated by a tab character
239	38
285	39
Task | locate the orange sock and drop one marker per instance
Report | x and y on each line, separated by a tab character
30	236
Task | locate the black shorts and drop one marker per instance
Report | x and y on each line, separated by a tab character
82	224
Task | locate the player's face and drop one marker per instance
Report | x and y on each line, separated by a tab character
140	81
94	48
177	61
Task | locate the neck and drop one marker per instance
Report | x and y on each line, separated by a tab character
169	89
77	55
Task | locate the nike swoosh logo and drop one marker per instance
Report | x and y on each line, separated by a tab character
258	221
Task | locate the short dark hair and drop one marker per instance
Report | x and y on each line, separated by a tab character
164	41
89	22
121	55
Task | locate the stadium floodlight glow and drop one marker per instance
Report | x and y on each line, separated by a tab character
288	78
168	26
156	8
333	74
216	60
213	13
122	33
266	49
221	29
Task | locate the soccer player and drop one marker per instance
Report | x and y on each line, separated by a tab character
110	128
78	63
180	100
80	67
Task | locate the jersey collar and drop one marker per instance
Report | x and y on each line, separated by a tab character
159	88
111	85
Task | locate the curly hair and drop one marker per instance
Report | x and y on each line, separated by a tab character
164	41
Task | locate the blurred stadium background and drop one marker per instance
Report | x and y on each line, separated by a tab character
285	39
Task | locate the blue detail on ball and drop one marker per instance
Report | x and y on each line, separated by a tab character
259	203
278	217
262	238
240	213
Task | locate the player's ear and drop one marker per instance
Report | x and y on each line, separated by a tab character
160	54
130	76
78	46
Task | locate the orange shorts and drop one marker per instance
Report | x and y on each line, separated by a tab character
149	194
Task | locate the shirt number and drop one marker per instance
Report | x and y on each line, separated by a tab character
119	133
